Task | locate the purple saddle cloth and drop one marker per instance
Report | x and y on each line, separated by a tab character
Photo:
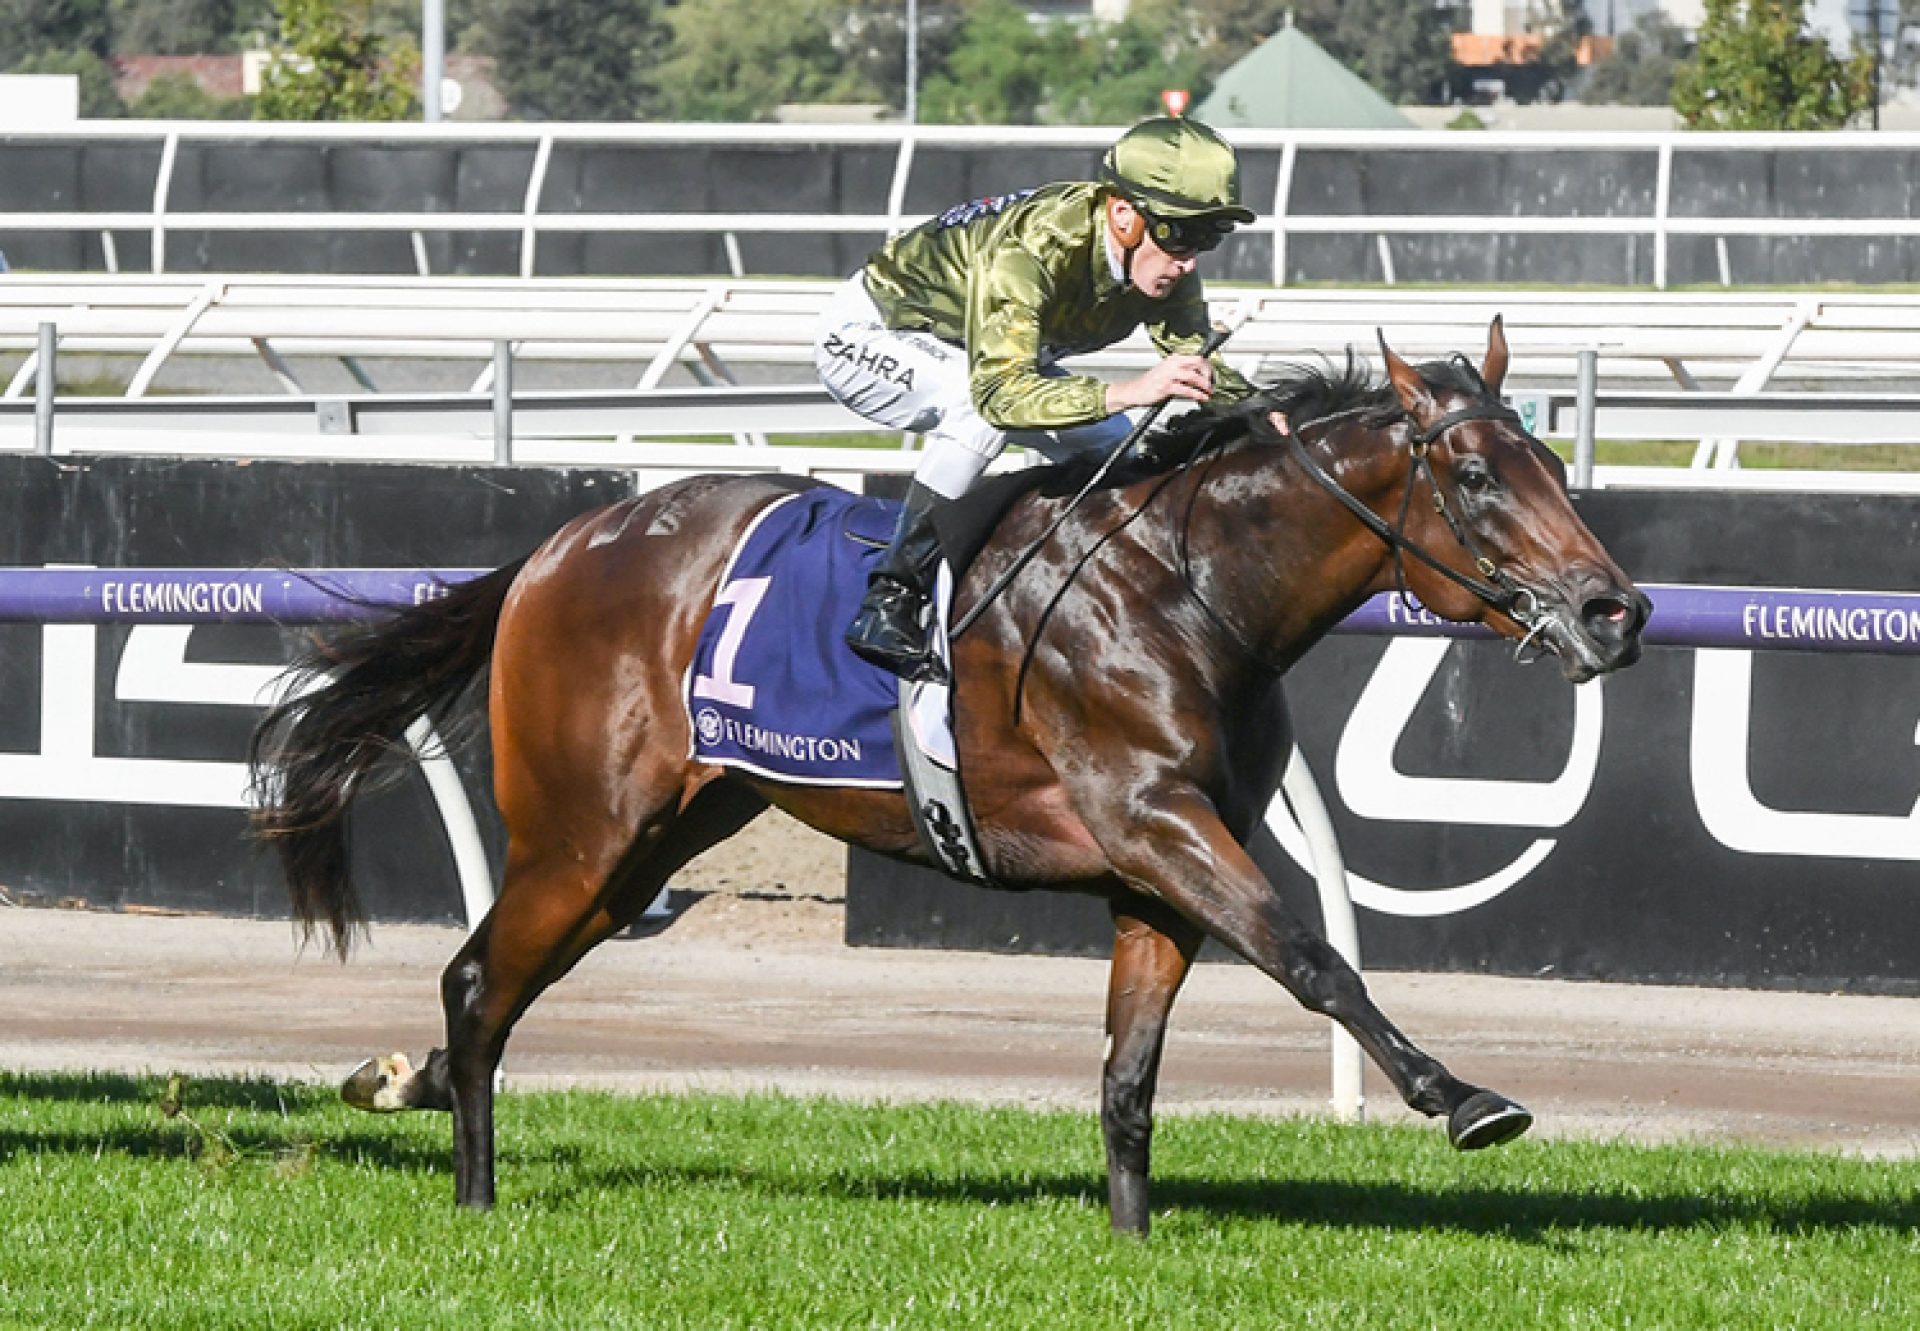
773	688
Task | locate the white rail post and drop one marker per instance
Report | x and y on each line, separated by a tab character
902	173
456	814
44	382
1586	400
502	403
1282	197
1662	204
162	187
1336	917
530	204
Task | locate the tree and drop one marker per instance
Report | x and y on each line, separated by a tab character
1640	70
1757	67
172	27
742	59
34	27
178	97
1562	26
1401	49
1002	68
564	60
331	66
1124	68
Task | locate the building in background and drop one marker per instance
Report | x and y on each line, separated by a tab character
1290	82
38	101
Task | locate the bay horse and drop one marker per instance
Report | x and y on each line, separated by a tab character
1118	714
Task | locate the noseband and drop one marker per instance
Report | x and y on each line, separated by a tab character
1495	588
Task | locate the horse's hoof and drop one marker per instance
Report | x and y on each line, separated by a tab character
379	1084
1486	1118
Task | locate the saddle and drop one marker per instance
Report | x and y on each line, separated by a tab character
773	689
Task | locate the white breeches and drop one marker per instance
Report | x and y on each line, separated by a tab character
916	382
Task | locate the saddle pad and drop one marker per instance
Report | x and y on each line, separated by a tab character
773	688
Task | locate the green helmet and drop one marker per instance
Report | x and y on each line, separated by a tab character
1171	167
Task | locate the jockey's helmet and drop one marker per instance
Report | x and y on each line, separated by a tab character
1183	176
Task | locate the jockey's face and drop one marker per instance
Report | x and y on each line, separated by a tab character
1150	268
1155	271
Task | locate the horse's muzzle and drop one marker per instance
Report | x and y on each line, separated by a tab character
1596	628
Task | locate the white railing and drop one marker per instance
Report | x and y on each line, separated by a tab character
1282	214
711	331
710	327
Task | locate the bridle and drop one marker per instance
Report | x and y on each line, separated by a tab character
1495	587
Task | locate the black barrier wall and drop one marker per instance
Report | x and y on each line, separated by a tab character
1714	817
423	174
122	748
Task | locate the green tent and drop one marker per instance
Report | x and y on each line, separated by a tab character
1288	82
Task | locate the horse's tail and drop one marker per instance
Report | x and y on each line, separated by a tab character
350	702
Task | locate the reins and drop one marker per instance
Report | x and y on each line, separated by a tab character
1494	588
1498	591
1216	339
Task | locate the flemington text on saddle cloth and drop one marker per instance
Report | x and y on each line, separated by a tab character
773	688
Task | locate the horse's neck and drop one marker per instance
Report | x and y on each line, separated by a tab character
1276	557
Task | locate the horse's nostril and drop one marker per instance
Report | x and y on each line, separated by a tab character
1612	611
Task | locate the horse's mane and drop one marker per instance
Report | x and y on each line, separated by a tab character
1307	393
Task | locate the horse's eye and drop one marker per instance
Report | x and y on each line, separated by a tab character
1473	477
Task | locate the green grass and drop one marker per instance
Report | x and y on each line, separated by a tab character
261	1206
1784	457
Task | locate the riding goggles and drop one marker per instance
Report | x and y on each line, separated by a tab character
1184	237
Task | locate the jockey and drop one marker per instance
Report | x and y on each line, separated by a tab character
953	331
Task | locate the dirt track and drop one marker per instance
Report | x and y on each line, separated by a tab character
754	989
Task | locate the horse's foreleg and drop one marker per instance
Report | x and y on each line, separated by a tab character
1153	949
1191	861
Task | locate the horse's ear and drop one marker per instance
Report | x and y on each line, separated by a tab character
1416	399
1495	368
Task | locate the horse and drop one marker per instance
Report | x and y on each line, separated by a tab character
1118	713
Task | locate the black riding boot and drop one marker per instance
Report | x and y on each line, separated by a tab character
890	629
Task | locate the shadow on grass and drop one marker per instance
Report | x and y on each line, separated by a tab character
295	1119
576	1174
175	1140
1529	1214
118	1088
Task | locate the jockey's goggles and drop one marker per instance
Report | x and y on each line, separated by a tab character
1184	237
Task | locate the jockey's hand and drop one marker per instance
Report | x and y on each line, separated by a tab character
1190	377
1278	420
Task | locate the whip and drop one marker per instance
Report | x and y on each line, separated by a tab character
1217	338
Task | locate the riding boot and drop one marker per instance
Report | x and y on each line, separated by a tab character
890	629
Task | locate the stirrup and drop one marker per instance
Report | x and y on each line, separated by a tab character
877	637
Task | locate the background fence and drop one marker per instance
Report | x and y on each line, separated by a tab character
1428	206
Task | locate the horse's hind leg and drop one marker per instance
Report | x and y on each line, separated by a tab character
550	913
1153	949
